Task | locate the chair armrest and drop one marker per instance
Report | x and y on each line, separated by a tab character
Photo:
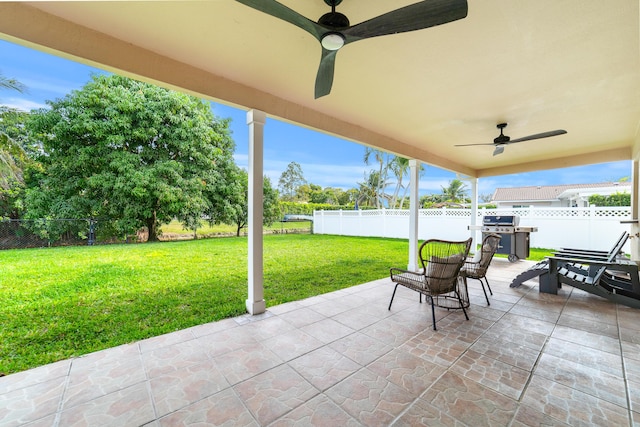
410	279
586	251
623	265
583	255
470	266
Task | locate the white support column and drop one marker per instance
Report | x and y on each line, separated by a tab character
474	212
634	229
255	301
414	201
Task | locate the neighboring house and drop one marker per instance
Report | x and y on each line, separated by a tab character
571	195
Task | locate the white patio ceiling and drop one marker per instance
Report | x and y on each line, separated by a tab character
538	65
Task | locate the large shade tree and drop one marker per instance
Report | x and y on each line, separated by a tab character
13	161
132	152
13	157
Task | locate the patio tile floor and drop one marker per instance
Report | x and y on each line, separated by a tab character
343	359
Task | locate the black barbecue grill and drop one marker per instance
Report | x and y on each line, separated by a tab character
514	239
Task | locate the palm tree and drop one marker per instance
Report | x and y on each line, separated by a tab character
400	167
455	192
368	191
7	83
383	159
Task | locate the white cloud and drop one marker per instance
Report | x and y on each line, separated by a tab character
58	87
328	175
324	175
242	160
22	104
343	176
433	186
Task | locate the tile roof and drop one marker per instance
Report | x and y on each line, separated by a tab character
548	192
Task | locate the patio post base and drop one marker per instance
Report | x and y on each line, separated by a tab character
256	307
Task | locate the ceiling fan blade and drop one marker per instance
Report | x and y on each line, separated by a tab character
469	145
278	10
539	136
324	79
416	16
499	150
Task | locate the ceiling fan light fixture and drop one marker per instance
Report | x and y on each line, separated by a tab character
332	41
503	139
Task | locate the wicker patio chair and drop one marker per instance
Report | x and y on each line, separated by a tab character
438	280
476	268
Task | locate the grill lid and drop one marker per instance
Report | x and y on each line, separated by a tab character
494	220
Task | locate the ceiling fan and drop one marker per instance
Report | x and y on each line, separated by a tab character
333	29
503	139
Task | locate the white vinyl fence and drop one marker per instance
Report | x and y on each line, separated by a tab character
587	228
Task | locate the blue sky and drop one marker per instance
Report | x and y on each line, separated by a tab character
326	161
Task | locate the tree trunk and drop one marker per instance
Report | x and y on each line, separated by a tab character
404	196
238	230
396	192
151	227
379	187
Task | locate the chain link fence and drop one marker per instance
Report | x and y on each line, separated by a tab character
41	233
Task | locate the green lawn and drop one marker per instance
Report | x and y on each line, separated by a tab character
535	254
63	302
67	301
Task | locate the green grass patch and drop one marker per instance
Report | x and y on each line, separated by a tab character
538	254
68	301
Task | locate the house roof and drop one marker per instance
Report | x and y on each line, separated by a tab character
537	65
552	192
